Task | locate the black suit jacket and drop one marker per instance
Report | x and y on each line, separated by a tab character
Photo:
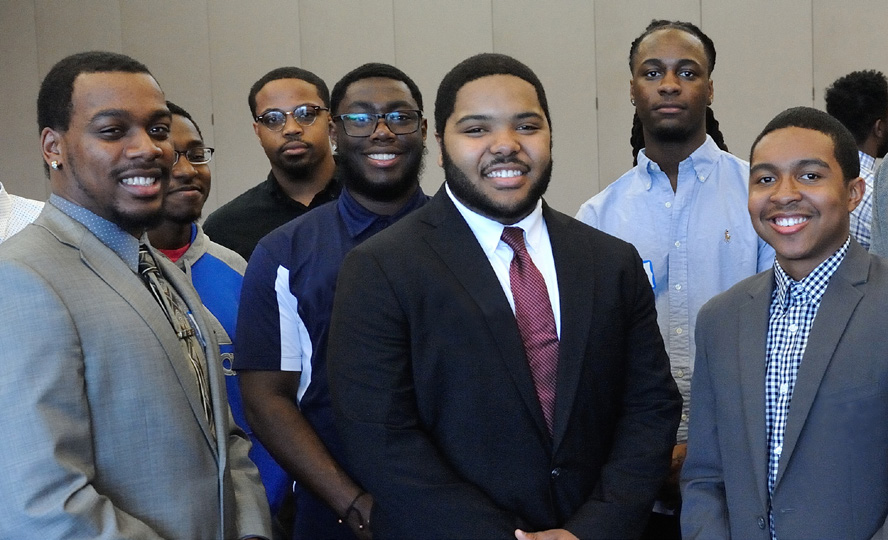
435	401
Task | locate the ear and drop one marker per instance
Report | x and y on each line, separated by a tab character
256	128
424	128
711	92
632	90
52	145
856	189
880	129
440	150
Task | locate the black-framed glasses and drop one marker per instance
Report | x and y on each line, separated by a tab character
364	124
199	155
305	115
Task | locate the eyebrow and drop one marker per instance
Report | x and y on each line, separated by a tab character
124	114
394	105
485	117
796	164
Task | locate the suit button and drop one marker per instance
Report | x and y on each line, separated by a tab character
761	522
556	472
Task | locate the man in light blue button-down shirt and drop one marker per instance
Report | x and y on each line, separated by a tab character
683	206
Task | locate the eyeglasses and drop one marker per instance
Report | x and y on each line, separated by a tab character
305	115
364	124
199	155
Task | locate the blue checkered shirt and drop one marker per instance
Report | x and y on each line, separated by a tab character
794	305
862	216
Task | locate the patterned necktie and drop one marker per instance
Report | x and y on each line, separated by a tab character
536	322
181	322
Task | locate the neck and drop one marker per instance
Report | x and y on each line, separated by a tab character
170	235
668	154
870	147
303	189
384	208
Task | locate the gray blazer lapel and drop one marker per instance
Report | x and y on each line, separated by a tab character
115	272
838	304
455	243
576	313
753	318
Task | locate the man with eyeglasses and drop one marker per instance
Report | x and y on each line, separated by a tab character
288	294
215	271
291	117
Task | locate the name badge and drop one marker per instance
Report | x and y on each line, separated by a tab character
649	270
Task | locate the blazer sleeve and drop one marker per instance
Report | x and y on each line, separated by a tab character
417	493
647	417
704	512
47	466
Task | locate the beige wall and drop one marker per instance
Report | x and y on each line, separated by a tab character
206	54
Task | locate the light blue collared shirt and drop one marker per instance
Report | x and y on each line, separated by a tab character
536	238
695	242
119	241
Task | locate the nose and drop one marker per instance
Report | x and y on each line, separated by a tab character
785	191
183	169
291	126
669	84
505	143
382	130
145	146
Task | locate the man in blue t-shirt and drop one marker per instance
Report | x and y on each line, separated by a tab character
288	291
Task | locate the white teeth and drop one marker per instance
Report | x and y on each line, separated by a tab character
138	181
790	221
508	173
381	157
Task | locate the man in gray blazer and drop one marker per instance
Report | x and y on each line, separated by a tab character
789	403
113	428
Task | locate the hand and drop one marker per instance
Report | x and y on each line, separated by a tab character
551	534
669	494
364	504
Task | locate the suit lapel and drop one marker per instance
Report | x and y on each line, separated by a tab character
752	334
836	307
115	272
572	268
454	242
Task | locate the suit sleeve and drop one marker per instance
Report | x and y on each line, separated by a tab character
417	493
253	516
704	511
47	468
645	427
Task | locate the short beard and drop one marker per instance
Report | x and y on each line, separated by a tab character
356	183
672	135
469	194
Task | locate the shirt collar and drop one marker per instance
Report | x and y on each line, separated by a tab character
811	288
867	163
488	232
274	189
358	219
125	245
702	161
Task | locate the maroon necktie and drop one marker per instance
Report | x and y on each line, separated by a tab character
536	322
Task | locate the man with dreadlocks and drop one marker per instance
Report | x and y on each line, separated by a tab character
683	205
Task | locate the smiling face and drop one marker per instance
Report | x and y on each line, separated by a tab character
799	201
116	153
383	166
671	87
496	148
296	151
190	184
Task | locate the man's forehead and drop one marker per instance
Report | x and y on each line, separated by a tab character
117	92
287	89
378	91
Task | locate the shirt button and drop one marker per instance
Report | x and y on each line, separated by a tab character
678	331
678	286
761	522
677	243
684	418
779	450
784	388
793	328
668	205
680	373
556	472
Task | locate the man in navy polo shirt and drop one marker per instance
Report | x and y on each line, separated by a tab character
288	289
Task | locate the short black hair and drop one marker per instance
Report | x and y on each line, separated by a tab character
368	71
857	100
844	147
54	105
289	72
690	28
175	109
476	67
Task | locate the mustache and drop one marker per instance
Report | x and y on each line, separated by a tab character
503	161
